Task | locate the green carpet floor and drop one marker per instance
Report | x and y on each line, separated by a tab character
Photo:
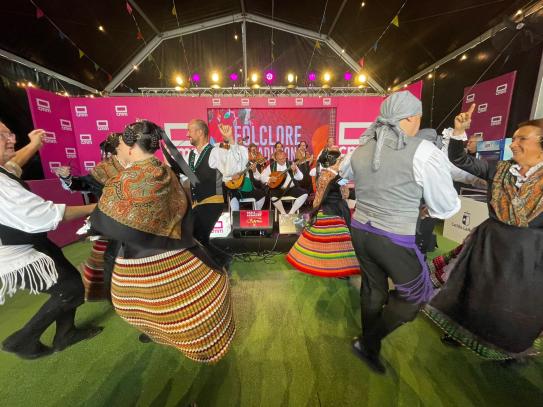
292	348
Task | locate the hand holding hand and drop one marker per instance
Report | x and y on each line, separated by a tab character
63	172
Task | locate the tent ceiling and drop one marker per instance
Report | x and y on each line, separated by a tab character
428	31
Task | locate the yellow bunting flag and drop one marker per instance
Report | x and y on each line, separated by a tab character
81	53
174	11
318	45
396	21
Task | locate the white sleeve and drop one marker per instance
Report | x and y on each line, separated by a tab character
265	176
464	177
345	169
448	134
432	172
229	162
14	168
23	210
298	175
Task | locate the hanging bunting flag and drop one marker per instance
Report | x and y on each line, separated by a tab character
375	46
317	45
109	77
396	21
160	76
129	8
96	67
39	13
139	36
174	11
81	53
361	62
61	35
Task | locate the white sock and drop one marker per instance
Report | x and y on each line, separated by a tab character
234	204
298	203
279	205
260	203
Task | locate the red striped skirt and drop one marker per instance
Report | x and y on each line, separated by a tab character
178	301
93	272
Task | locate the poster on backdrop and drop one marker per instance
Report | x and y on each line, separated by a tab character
265	127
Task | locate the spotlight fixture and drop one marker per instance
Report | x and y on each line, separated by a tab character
405	86
101	28
518	13
196	78
234	77
135	67
463	57
179	80
30	84
290	78
236	37
347	76
254	77
430	76
312	76
326	77
178	88
362	4
343	51
361	78
269	77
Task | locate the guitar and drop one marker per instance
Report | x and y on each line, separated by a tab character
237	183
279	176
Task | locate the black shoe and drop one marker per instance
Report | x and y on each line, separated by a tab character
144	338
74	336
35	351
371	359
450	341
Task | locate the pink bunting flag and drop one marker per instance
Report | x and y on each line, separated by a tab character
39	13
139	36
128	8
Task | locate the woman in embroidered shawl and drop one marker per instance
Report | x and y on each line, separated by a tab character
492	301
325	248
98	267
161	284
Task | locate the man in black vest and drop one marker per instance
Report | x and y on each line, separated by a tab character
30	260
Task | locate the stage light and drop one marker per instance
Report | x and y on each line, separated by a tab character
389	89
30	85
215	77
101	28
312	76
290	78
430	76
348	76
195	78
91	96
135	67
236	37
269	77
234	77
362	4
519	12
326	77
179	80
66	94
343	51
178	88
463	57
254	77
361	78
405	86
241	70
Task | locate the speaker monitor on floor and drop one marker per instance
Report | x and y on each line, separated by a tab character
287	224
251	223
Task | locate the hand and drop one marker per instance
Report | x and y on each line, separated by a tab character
252	167
462	121
272	179
63	172
226	132
423	213
294	168
36	137
235	177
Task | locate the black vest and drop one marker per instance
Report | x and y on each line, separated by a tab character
210	179
10	236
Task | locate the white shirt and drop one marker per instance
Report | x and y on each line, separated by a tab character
431	168
228	162
265	176
26	211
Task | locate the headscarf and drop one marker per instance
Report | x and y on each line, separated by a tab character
386	127
432	136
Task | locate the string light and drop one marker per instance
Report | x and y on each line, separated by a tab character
362	4
101	28
519	12
430	76
135	67
463	57
236	37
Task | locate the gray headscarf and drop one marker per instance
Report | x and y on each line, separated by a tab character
386	127
432	136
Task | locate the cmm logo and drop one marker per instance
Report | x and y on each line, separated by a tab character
470	98
89	165
50	137
43	105
299	101
245	102
216	102
501	89
85	139
65	125
326	101
70	152
466	218
102	125
496	121
272	101
81	111
482	108
121	110
53	165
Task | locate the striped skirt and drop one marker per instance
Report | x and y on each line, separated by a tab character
93	272
325	249
178	301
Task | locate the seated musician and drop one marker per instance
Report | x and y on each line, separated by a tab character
278	147
246	184
280	176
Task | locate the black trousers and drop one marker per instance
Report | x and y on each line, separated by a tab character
383	311
425	237
205	217
65	296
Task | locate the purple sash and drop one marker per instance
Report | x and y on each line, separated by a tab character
420	289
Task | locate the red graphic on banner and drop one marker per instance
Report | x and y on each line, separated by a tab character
254	219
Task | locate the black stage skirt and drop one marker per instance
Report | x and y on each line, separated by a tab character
493	299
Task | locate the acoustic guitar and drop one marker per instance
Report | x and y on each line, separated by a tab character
281	175
236	184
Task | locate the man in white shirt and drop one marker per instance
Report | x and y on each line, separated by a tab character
30	260
393	171
287	188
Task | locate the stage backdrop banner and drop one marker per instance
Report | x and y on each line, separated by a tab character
86	122
493	101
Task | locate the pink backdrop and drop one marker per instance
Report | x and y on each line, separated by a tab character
493	100
76	126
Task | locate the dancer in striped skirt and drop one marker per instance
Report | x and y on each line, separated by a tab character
163	283
325	248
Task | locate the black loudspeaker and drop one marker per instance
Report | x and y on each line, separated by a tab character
252	223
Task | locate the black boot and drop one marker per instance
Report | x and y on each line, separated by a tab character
371	359
67	334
